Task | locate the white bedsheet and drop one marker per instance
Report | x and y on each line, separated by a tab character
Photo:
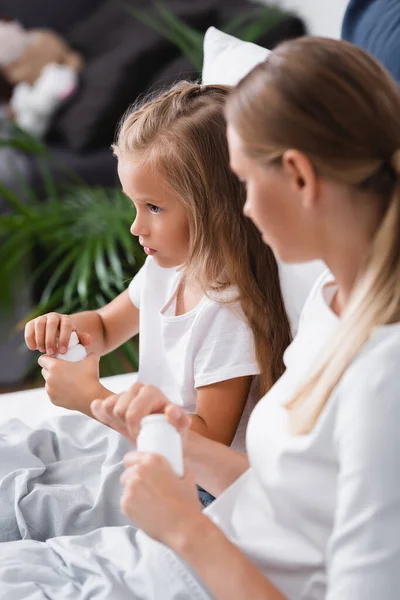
61	530
33	406
59	469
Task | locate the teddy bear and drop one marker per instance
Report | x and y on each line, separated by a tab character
41	70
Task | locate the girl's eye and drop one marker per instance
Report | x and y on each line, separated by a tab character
154	209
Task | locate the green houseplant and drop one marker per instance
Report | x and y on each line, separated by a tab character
248	26
76	243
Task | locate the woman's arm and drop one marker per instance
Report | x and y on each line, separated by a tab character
223	568
363	553
214	465
167	508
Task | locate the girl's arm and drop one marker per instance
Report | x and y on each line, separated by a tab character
100	331
75	385
219	408
111	325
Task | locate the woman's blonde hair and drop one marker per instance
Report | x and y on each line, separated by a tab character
337	105
181	134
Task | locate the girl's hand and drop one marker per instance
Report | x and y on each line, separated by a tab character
41	333
161	504
72	385
123	412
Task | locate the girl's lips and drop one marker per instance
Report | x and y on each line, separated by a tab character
148	250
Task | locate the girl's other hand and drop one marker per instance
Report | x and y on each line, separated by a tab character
42	333
123	412
72	385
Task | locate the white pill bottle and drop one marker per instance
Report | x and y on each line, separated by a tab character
75	352
157	435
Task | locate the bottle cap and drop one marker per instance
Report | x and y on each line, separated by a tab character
157	418
73	340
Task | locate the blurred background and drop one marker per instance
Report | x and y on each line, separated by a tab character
68	71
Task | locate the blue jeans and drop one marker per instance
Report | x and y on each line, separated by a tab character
205	497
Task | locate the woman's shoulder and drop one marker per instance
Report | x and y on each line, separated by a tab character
369	391
379	359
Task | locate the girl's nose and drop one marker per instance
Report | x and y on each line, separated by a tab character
138	228
134	228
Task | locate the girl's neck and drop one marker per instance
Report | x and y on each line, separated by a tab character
188	295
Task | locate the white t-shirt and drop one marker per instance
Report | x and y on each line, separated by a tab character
297	281
178	354
319	514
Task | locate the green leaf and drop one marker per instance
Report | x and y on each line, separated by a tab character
126	241
17	258
115	262
50	187
101	270
75	220
58	273
70	291
100	300
44	307
24	143
253	23
83	265
18	240
50	259
131	354
170	26
12	199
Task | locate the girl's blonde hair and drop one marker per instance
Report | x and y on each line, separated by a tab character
182	135
337	105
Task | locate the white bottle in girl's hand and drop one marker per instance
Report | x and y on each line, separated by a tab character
157	435
75	352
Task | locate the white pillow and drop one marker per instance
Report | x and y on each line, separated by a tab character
226	61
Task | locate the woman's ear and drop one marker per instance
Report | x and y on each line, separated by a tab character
302	177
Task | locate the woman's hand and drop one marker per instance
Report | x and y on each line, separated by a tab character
123	412
42	333
159	502
72	385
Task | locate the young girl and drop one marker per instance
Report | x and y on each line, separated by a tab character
207	303
315	133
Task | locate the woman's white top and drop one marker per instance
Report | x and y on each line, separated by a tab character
319	514
206	345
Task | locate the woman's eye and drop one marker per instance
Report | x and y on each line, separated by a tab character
153	208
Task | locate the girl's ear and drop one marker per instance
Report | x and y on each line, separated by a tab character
302	177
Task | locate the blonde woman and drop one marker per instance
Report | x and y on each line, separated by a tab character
314	512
